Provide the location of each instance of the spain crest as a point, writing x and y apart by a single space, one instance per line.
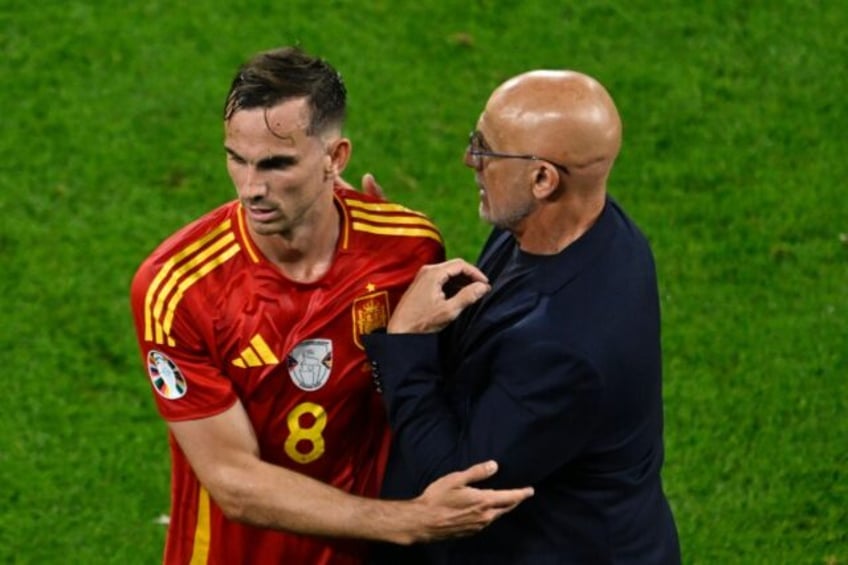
310 363
370 312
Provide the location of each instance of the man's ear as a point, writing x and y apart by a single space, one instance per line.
338 157
545 181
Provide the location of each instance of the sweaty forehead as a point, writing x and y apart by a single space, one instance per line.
288 118
284 123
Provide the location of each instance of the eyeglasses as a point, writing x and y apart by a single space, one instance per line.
476 152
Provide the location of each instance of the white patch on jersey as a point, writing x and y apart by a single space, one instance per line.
166 377
310 363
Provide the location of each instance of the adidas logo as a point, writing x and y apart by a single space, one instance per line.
256 354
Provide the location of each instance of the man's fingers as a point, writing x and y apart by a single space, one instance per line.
469 294
458 268
456 274
431 303
371 187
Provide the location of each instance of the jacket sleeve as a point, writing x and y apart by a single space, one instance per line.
532 414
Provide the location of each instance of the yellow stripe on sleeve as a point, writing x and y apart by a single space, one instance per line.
189 280
195 263
382 219
380 207
403 232
153 290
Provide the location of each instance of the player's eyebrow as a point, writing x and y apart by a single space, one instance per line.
233 154
270 162
276 162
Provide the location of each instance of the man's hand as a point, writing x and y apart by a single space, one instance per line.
369 186
437 296
449 507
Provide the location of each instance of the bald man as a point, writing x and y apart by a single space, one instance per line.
546 355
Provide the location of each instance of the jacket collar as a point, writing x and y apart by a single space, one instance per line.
555 271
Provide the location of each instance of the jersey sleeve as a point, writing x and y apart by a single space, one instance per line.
186 382
431 251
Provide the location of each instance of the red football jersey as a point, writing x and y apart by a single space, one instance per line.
217 322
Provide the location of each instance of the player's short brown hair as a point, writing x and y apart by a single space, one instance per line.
286 73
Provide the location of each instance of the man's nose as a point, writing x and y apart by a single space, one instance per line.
254 184
468 159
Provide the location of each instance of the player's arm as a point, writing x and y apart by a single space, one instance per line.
224 454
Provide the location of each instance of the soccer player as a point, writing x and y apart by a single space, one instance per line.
250 323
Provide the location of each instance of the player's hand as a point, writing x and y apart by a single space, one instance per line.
437 296
370 186
449 507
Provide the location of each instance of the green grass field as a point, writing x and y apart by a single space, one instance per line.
733 164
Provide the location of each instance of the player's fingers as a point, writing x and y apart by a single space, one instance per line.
473 474
489 515
507 499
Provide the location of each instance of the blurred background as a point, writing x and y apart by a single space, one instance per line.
733 164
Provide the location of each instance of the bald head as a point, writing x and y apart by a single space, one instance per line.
564 116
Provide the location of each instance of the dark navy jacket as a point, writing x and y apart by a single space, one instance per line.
556 375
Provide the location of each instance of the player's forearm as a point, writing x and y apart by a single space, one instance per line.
273 497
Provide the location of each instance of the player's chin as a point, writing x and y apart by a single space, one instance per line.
270 227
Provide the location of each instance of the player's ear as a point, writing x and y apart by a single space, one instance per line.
338 156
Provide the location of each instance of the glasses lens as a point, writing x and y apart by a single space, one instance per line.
472 149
